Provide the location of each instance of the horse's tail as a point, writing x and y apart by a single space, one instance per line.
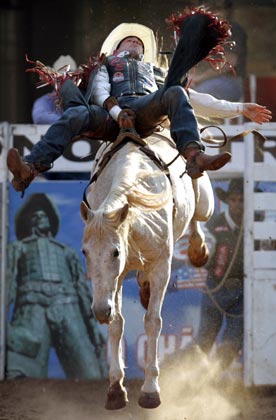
201 33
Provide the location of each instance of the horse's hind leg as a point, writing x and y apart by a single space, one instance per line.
197 250
144 288
117 394
204 207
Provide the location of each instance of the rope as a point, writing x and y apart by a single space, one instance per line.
210 292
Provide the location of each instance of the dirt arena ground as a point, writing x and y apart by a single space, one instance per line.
185 396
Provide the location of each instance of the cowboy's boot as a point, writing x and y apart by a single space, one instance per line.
198 161
23 172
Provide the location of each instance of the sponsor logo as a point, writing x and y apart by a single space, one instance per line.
118 77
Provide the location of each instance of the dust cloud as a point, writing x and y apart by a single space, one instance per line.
192 389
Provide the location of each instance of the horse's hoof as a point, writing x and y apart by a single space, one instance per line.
149 400
198 257
116 397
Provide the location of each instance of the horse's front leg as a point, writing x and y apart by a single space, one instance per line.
117 394
158 279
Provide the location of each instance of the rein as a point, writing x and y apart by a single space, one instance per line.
219 143
116 146
210 292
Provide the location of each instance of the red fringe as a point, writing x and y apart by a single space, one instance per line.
55 78
220 25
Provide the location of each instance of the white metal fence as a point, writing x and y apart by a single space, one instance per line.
260 264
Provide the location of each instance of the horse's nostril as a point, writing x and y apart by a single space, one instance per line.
103 313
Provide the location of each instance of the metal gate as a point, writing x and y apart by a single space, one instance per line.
260 262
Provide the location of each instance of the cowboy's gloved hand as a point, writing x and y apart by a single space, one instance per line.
126 118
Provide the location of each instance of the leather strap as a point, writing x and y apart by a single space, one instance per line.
221 143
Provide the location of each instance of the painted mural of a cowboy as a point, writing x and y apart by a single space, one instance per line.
52 302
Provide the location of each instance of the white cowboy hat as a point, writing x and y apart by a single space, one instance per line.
65 60
131 29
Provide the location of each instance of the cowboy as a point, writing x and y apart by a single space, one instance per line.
52 302
223 300
150 105
123 91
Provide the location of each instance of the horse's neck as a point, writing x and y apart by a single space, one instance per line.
120 176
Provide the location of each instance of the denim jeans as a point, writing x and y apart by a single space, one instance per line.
151 110
212 318
74 121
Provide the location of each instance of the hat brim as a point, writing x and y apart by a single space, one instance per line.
132 29
221 194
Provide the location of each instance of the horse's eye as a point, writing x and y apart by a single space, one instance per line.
116 253
83 251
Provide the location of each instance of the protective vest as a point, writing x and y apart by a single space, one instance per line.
226 241
130 76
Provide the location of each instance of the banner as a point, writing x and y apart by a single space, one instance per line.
41 299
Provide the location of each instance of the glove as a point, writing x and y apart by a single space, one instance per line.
126 118
110 102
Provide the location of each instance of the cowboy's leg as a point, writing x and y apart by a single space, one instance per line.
209 325
152 109
184 126
71 95
184 131
232 339
74 121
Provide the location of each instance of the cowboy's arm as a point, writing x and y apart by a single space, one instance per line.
101 90
101 93
206 105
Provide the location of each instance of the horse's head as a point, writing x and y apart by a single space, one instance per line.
104 247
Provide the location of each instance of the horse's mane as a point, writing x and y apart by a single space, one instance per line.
136 184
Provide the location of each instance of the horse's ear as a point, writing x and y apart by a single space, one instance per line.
118 215
85 212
